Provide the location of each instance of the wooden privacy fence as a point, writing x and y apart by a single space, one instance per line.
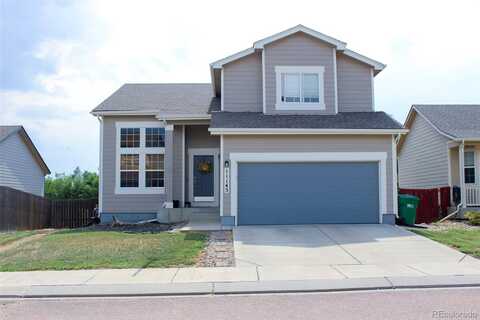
24 211
71 213
433 204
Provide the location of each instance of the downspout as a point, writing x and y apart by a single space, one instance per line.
100 169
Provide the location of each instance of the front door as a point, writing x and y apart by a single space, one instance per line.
204 177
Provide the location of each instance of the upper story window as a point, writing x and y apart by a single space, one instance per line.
299 88
130 137
154 137
140 158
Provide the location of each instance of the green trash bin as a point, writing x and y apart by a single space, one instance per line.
407 208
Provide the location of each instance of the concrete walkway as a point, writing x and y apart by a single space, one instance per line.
469 266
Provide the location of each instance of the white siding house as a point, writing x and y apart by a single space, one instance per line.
21 166
442 149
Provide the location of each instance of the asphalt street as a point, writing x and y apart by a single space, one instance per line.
461 303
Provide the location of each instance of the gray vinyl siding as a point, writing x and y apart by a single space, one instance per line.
354 85
197 137
242 84
177 162
423 158
299 50
128 203
18 168
295 143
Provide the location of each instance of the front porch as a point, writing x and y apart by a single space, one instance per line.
192 176
464 173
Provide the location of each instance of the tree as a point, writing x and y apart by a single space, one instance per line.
79 185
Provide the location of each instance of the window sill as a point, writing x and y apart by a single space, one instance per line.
300 106
119 190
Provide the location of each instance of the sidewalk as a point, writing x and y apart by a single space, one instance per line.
173 281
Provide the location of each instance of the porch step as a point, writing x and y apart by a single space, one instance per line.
205 217
206 210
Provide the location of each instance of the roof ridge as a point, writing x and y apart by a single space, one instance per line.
168 83
446 105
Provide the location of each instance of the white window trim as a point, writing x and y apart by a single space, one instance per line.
379 157
141 151
279 105
472 150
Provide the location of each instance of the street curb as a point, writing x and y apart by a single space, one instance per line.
241 287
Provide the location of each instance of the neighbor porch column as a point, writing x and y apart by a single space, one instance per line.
461 164
168 166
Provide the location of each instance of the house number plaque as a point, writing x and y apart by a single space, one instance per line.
226 177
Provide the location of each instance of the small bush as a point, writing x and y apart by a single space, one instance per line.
473 217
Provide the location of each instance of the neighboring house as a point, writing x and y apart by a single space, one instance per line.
442 149
286 133
21 165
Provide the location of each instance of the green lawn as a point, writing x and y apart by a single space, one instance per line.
75 249
467 241
7 237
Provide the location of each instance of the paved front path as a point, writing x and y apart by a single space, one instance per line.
385 304
346 246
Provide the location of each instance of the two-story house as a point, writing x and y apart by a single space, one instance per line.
285 133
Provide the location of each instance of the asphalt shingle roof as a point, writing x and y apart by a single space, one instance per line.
459 121
166 98
342 120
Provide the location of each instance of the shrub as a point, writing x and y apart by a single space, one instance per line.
473 217
79 185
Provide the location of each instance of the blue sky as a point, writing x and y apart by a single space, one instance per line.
59 59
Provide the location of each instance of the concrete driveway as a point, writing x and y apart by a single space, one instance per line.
314 245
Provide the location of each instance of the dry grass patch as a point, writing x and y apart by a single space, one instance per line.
84 249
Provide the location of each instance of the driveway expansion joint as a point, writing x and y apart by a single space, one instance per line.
339 271
338 244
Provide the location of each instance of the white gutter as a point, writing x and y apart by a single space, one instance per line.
125 113
467 140
184 117
246 131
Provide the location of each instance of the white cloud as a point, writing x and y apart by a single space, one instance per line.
430 47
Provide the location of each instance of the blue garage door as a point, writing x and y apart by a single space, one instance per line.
303 193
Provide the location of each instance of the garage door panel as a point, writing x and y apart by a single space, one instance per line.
302 193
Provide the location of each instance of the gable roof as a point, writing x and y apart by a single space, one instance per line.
192 99
456 122
340 46
343 121
7 131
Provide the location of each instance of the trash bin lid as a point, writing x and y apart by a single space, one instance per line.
408 197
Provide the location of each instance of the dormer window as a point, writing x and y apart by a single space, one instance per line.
299 88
